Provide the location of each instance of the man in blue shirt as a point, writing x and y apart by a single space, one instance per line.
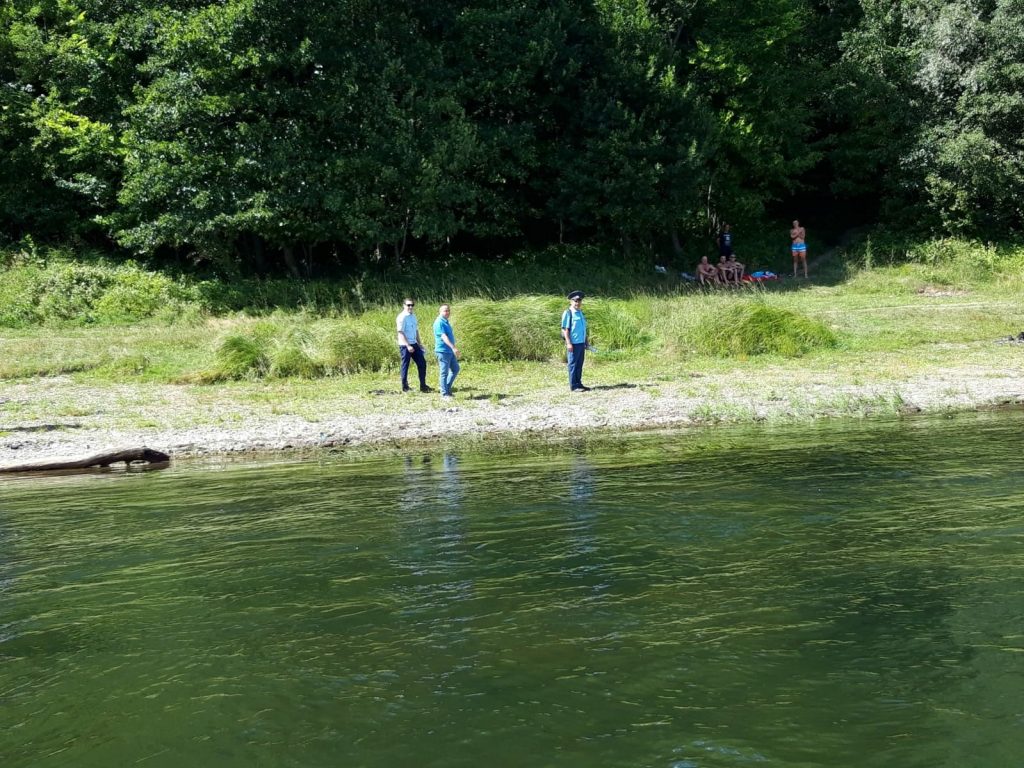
409 346
446 351
574 331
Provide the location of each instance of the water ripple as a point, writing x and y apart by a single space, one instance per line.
822 596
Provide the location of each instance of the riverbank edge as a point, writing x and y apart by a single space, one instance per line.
545 418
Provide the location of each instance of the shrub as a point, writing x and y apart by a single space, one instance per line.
136 294
72 293
754 328
948 251
19 291
67 293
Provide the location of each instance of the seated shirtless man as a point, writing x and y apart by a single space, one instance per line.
738 269
707 274
724 270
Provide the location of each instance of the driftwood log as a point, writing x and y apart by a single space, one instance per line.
144 455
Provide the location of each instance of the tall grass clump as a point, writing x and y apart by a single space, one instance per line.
244 353
294 352
754 328
616 325
267 349
525 328
366 343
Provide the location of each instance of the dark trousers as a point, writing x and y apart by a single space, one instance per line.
421 364
575 358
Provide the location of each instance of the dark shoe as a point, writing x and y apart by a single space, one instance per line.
425 389
578 389
407 389
584 389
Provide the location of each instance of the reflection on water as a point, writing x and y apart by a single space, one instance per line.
815 597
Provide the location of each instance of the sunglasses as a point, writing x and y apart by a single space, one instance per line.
410 305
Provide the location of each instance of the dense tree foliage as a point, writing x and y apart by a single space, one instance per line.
933 96
268 134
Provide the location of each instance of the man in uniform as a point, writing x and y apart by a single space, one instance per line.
574 331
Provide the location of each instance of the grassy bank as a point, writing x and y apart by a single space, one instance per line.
841 343
107 324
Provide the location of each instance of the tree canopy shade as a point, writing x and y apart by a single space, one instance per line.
254 134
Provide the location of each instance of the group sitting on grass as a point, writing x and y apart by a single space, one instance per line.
728 271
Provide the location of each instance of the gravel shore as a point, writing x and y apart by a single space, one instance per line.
60 419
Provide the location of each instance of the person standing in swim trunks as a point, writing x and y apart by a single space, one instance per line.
799 237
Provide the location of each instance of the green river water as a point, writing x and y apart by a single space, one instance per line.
833 595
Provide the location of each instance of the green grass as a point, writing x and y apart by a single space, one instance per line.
874 300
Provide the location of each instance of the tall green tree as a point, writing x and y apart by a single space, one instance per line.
40 147
933 101
972 150
756 66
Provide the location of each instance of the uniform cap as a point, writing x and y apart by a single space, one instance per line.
575 295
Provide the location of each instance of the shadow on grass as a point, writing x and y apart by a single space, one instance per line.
459 391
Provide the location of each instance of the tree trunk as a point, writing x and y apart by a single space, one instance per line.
677 247
289 260
405 231
307 260
144 455
712 218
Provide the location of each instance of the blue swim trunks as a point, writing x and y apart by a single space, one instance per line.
799 247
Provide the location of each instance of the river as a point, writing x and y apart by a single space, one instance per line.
841 594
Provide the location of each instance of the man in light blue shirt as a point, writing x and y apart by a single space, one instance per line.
446 351
574 331
409 346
